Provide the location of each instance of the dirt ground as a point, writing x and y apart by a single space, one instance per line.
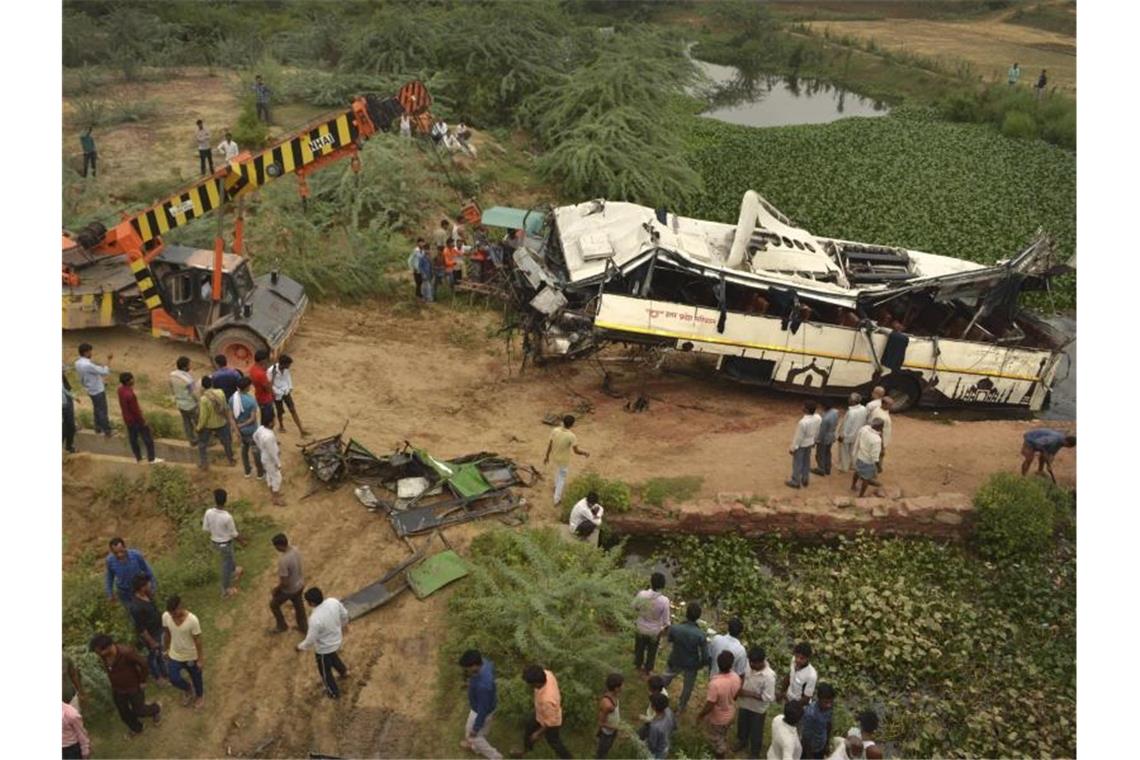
434 377
990 44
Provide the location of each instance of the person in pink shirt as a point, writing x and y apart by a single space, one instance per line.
720 707
547 719
76 743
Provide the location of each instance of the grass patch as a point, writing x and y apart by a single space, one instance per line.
1051 17
656 491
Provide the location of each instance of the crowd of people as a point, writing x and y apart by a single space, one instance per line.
221 406
168 647
742 687
455 254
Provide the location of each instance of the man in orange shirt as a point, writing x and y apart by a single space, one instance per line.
547 720
262 386
721 704
451 258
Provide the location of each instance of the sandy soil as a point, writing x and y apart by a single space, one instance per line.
991 45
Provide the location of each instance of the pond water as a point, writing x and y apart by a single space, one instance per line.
771 101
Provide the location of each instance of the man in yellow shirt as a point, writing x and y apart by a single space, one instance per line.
562 442
213 419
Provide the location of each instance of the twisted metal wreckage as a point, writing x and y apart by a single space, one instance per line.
782 307
425 495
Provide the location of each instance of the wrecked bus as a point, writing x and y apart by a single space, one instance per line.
781 307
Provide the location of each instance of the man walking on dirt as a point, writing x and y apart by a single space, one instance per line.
148 627
327 624
1044 444
91 378
213 421
265 441
290 586
219 523
134 420
90 155
849 427
807 431
202 137
185 392
482 700
182 643
562 442
123 566
127 673
1014 74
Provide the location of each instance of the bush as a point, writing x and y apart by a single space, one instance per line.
1015 516
534 597
250 132
1019 125
614 494
656 490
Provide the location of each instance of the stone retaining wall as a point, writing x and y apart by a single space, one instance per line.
941 515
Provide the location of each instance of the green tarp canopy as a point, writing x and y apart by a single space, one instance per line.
435 572
465 478
513 218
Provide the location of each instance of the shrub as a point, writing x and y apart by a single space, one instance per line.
163 425
250 132
510 610
1015 516
1019 125
614 494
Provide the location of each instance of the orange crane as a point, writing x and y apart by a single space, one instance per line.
127 275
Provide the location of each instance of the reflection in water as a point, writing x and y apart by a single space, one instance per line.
765 100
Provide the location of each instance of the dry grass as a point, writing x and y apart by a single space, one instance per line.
989 45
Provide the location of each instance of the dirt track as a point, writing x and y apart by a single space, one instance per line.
441 383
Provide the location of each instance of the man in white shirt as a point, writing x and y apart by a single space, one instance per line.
228 148
785 738
265 441
757 694
91 377
868 450
586 516
327 624
801 675
883 413
730 642
803 442
202 137
219 523
876 401
281 378
849 427
186 393
851 748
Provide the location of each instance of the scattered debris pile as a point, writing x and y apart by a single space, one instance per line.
423 574
423 493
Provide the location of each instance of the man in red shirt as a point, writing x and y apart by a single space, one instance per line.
451 257
262 387
133 419
721 704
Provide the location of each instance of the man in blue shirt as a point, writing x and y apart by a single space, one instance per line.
123 566
815 725
1044 444
245 409
482 698
689 653
225 377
